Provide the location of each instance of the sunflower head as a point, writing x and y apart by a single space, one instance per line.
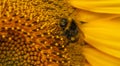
37 33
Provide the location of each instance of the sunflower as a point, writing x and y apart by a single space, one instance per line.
38 33
59 33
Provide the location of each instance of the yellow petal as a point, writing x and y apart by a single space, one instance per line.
108 50
101 6
103 35
97 58
105 30
88 16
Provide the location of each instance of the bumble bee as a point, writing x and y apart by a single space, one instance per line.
70 29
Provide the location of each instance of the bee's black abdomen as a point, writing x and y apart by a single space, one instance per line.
68 34
71 31
73 28
73 25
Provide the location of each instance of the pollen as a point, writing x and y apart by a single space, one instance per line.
30 34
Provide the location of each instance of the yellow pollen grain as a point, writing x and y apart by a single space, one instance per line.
63 46
72 38
56 44
3 36
62 61
42 35
12 28
13 18
48 55
58 53
6 28
37 29
51 47
53 37
22 30
10 38
31 37
57 36
61 39
26 24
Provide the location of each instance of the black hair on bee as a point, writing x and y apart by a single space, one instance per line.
63 23
70 29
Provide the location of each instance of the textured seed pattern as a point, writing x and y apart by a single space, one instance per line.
30 34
